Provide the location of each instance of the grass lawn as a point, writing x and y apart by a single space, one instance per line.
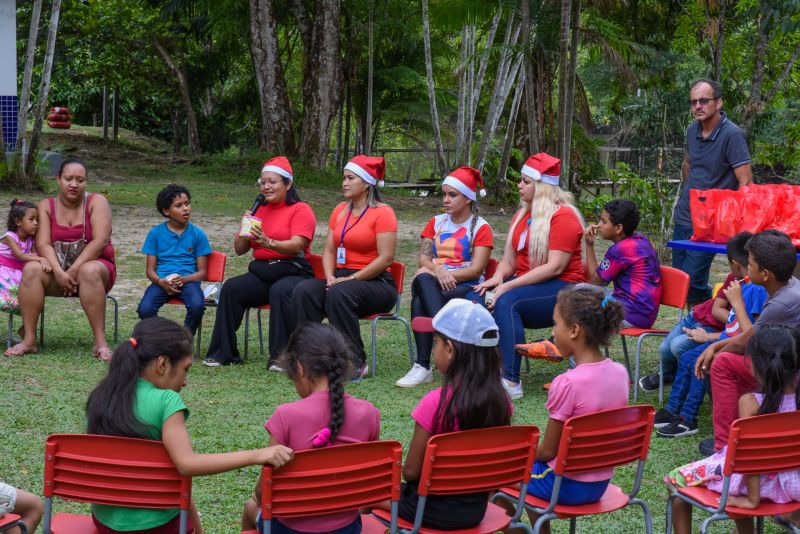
45 393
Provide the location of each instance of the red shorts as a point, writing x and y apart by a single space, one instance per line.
173 527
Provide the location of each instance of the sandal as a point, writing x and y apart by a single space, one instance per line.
20 349
104 354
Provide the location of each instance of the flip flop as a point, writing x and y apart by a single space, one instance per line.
104 354
20 349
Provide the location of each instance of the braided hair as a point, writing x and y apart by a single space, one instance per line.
599 315
323 352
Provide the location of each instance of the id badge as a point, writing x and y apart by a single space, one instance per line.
340 256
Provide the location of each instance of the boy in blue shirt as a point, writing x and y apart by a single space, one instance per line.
679 416
177 257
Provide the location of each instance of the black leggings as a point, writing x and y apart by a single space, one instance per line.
264 283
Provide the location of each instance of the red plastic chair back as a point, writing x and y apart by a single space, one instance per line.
764 444
478 460
316 266
215 271
674 287
333 479
398 270
136 473
603 440
491 268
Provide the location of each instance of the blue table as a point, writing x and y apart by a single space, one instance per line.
703 246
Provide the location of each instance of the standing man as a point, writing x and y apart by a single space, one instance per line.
716 158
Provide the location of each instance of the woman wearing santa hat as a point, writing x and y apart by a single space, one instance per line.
544 253
453 254
359 249
281 247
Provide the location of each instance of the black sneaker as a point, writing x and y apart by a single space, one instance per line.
678 429
706 447
649 383
664 418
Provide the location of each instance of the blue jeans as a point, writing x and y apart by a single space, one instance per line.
676 343
694 263
191 294
520 308
687 390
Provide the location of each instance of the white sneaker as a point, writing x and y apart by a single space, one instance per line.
515 392
416 376
276 368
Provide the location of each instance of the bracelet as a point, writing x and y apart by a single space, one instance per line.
271 243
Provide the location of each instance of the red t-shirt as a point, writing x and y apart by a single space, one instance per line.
281 222
702 312
566 233
361 236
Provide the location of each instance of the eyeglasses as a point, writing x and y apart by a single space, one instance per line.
261 183
702 101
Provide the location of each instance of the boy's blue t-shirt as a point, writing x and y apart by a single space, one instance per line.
176 253
754 297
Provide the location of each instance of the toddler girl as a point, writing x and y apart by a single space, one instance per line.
319 361
139 398
773 355
16 249
465 338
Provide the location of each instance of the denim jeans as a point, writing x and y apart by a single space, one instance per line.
191 294
520 308
676 343
687 390
694 263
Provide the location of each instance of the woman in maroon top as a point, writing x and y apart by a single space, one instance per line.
281 249
73 215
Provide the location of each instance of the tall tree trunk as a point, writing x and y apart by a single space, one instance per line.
44 91
570 97
105 113
347 111
25 95
339 126
477 84
115 135
276 136
563 76
322 81
720 40
437 135
502 171
371 53
174 119
461 114
469 118
754 103
530 95
186 98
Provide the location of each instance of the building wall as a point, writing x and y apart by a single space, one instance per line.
8 70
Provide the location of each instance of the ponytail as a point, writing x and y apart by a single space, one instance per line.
773 352
599 315
109 409
17 212
323 352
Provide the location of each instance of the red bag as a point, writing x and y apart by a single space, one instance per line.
59 117
59 110
702 207
758 205
59 124
727 214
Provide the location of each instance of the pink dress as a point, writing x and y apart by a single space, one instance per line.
11 272
74 233
779 488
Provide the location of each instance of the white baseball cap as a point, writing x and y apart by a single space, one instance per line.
461 320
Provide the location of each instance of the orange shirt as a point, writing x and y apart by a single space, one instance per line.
566 233
361 234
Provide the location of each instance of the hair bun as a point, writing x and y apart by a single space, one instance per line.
14 202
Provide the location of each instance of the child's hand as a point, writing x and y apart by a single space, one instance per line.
590 233
698 335
165 284
177 282
734 293
276 456
46 267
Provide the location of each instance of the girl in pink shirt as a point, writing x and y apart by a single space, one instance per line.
584 319
319 361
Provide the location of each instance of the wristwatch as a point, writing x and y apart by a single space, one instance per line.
271 243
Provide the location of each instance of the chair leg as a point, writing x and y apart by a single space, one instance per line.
116 318
199 337
573 525
246 330
260 332
636 367
627 358
537 526
648 517
760 524
668 515
41 330
374 345
408 339
660 381
10 328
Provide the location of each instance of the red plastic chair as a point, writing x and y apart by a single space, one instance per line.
215 272
111 470
331 480
756 445
41 323
398 270
319 274
674 292
9 521
600 440
474 461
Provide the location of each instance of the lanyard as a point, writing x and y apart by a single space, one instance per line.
345 229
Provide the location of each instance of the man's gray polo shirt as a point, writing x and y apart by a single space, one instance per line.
711 162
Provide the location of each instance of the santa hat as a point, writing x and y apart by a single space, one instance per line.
279 165
543 167
466 181
368 168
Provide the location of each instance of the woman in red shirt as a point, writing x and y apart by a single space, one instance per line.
543 254
281 249
359 249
